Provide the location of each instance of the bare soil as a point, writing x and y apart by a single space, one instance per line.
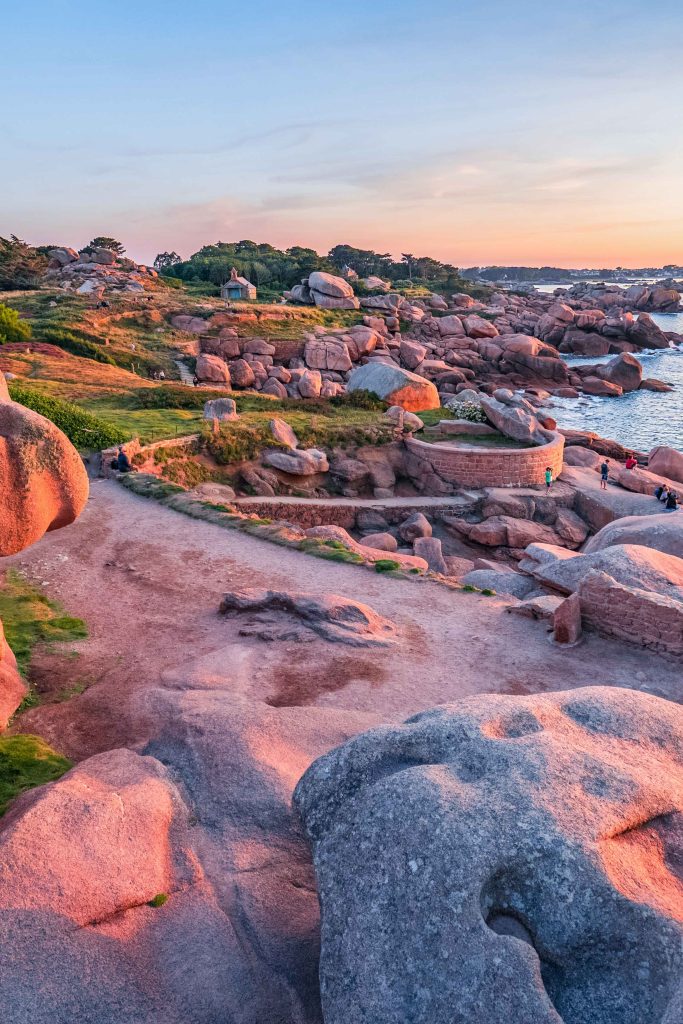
148 582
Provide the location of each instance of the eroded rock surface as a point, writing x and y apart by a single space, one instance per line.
504 859
335 618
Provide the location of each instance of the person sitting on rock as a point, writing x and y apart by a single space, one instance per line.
123 462
671 502
631 462
664 494
548 477
659 490
604 474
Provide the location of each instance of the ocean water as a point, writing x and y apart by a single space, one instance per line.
641 419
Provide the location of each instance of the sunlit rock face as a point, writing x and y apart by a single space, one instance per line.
43 483
504 859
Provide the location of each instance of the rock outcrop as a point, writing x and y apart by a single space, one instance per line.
663 532
396 386
12 687
668 462
337 619
460 873
43 483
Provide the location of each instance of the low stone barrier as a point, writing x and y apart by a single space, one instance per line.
329 513
628 613
491 467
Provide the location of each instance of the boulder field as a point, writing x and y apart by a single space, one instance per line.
454 343
503 856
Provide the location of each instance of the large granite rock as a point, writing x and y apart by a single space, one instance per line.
503 859
213 369
12 686
395 385
302 462
630 564
513 421
663 532
43 483
668 462
645 333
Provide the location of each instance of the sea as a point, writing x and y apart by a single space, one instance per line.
640 419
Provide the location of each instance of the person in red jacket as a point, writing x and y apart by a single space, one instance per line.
631 461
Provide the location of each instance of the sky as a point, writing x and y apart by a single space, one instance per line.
526 132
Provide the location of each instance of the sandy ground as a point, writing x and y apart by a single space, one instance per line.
148 582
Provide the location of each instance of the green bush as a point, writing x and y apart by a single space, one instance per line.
359 400
386 565
85 431
12 327
25 762
76 346
238 442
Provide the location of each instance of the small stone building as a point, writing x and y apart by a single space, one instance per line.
238 289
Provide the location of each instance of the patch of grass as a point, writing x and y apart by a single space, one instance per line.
469 588
386 565
30 619
488 592
85 431
25 762
158 900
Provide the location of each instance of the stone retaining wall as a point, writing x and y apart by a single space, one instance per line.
627 613
308 514
491 467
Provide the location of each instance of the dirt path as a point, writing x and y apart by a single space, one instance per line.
148 582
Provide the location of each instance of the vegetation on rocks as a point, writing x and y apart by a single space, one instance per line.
85 431
21 265
12 327
25 762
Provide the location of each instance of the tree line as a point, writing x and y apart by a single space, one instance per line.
277 269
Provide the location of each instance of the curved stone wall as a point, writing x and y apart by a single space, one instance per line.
491 467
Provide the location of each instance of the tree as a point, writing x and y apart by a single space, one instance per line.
104 242
12 327
164 260
21 266
409 260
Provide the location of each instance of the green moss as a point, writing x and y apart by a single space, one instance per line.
386 565
158 900
27 761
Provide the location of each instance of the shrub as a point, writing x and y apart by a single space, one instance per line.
386 565
238 442
359 400
467 411
85 431
76 346
27 761
12 327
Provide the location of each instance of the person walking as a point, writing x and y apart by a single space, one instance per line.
604 474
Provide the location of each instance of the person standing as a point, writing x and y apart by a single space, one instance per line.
604 474
548 478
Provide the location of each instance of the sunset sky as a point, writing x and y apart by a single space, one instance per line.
475 132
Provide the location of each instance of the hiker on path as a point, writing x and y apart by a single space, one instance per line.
604 474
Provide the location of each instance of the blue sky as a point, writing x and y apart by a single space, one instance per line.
522 132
